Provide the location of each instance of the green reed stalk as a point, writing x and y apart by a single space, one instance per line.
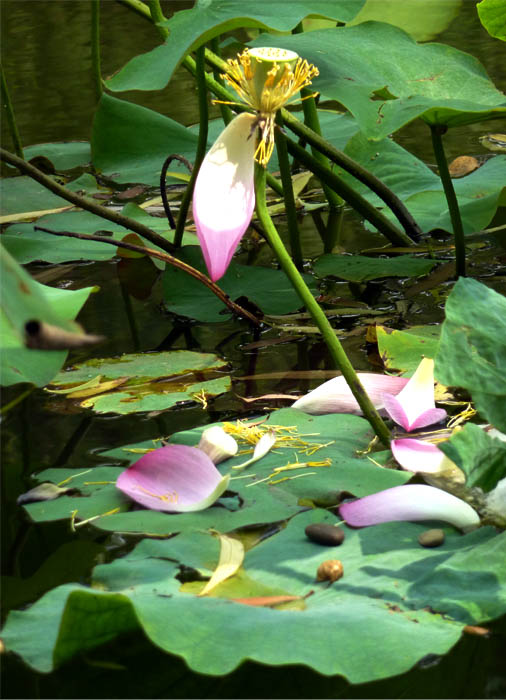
95 48
201 145
11 119
334 346
451 198
226 113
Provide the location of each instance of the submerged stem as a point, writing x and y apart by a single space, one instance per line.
201 146
451 198
334 346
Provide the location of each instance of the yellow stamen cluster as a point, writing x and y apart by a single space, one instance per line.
266 79
286 436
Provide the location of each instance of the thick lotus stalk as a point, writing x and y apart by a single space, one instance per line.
217 444
410 502
414 406
335 395
175 478
224 194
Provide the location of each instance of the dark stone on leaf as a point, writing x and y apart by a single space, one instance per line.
325 534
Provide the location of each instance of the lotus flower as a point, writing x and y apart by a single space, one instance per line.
335 395
175 478
414 406
224 194
410 502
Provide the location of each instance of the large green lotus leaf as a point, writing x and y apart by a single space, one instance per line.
414 183
360 268
472 350
404 350
492 14
421 19
210 18
478 194
23 300
267 288
64 155
249 500
153 381
27 245
481 456
433 81
23 194
396 603
130 143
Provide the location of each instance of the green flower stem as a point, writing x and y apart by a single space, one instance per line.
201 146
11 119
312 120
355 200
290 209
86 203
334 346
157 16
137 6
226 113
451 198
95 48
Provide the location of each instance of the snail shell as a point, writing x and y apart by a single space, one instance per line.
329 570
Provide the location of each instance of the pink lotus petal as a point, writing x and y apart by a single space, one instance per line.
410 502
419 456
335 395
175 478
414 406
224 194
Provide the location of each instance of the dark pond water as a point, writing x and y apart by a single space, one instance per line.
45 54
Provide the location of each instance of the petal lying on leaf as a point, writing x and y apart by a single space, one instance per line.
410 502
175 478
335 395
217 444
224 194
420 456
414 406
263 446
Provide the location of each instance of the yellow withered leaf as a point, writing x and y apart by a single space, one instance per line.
231 558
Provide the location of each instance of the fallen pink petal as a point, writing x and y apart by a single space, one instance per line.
414 406
175 478
335 395
224 195
420 456
410 502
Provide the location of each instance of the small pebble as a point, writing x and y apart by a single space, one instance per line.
330 570
326 534
431 538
